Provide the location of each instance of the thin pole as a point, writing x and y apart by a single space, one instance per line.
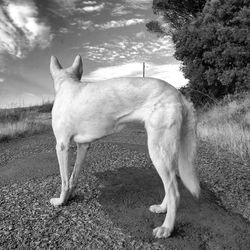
143 74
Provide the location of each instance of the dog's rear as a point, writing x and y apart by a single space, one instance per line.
188 149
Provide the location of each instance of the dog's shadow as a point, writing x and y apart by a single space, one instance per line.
127 193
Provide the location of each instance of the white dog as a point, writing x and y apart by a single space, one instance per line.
85 112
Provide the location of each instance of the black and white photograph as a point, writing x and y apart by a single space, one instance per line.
125 124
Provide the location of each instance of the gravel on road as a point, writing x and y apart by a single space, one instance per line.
110 208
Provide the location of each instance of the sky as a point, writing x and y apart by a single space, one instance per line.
110 35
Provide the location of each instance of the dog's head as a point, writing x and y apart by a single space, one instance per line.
58 73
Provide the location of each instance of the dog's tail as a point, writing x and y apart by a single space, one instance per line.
188 149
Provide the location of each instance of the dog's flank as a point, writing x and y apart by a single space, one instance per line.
85 112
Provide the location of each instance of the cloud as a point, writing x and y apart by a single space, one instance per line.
64 30
124 49
90 2
66 8
67 4
93 8
84 25
119 23
128 7
138 4
90 25
1 79
21 30
140 34
61 8
87 25
114 71
120 9
168 72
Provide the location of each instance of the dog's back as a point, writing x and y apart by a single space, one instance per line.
99 108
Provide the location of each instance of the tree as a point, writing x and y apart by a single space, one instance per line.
174 14
214 47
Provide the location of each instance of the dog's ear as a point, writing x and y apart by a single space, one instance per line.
55 66
77 67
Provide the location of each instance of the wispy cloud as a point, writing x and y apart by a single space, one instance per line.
128 7
124 49
120 10
138 4
66 4
86 25
114 71
119 23
64 30
90 2
140 34
90 25
73 7
168 72
92 8
21 30
83 25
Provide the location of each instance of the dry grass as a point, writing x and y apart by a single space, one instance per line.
18 122
227 125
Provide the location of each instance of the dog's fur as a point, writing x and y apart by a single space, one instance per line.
85 112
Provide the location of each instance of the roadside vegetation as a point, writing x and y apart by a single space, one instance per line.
227 125
19 122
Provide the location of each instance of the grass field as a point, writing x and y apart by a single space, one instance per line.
227 125
16 122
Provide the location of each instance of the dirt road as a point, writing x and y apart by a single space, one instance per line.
110 210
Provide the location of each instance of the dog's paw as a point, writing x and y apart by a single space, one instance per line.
157 209
161 232
56 202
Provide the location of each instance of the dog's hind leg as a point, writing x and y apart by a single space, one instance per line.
81 152
62 148
163 140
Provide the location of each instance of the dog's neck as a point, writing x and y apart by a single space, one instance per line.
60 79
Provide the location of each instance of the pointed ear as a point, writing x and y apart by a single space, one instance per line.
77 67
55 66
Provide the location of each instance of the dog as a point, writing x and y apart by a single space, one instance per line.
84 112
